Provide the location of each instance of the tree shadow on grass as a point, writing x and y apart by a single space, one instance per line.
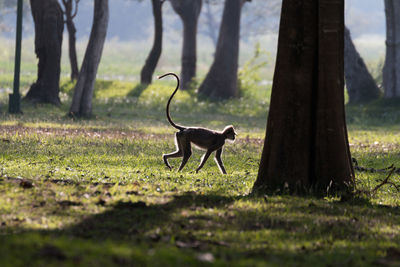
138 90
284 230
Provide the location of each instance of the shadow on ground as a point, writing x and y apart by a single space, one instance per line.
138 90
195 229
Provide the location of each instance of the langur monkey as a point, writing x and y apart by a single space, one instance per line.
203 138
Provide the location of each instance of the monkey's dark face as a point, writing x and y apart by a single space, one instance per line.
230 133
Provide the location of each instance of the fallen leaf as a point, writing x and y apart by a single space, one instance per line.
131 205
206 257
67 203
26 184
101 202
136 193
190 244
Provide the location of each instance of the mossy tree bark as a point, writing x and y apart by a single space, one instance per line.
306 146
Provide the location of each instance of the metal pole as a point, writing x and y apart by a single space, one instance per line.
15 98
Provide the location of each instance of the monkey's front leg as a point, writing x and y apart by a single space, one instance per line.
204 159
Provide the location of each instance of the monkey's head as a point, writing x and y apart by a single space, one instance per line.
229 132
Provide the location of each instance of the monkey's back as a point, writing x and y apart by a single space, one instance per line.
202 137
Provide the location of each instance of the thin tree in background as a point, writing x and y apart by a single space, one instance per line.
212 30
49 25
83 93
221 80
306 146
391 69
361 87
188 11
151 62
70 12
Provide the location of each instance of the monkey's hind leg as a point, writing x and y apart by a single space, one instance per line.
219 160
178 153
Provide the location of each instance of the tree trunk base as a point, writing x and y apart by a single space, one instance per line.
35 96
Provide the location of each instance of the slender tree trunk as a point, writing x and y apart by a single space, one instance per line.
83 93
189 11
391 70
72 50
71 40
212 30
221 80
306 145
361 87
155 53
49 26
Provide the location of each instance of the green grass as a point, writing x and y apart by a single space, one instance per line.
122 60
101 195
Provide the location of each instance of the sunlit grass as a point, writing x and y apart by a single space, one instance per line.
101 194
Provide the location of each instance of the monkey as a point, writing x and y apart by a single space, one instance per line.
203 138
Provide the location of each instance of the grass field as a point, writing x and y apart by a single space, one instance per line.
95 192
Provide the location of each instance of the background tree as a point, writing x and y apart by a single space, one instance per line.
70 11
83 93
188 11
259 18
10 7
151 62
361 87
221 80
210 21
306 144
391 69
49 26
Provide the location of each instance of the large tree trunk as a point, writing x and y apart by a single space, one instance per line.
189 11
391 70
306 145
49 26
83 93
155 53
70 14
221 80
361 87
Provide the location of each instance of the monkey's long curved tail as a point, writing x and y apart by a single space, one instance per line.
177 126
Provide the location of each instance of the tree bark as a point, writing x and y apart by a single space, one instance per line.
361 87
306 146
49 26
189 11
391 69
69 15
221 80
151 62
83 93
